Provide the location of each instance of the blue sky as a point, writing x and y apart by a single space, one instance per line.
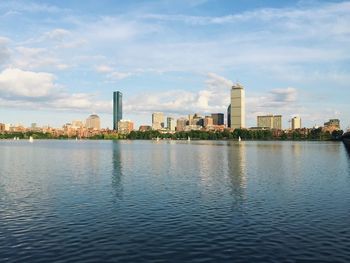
62 60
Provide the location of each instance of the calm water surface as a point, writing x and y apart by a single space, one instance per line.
89 201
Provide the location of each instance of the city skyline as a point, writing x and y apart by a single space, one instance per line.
66 59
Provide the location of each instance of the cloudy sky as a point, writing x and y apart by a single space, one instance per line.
61 60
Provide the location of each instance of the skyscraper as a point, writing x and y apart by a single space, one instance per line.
157 120
296 123
117 109
237 107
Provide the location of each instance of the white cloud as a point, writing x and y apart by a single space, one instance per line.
213 98
120 75
38 90
18 83
37 58
58 34
103 69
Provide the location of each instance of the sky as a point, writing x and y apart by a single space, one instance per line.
61 60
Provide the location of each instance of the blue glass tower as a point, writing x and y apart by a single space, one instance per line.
117 109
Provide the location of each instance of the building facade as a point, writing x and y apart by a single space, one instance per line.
125 126
93 122
237 107
296 123
157 120
181 124
171 124
218 118
270 122
117 109
208 121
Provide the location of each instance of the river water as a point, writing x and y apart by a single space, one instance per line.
174 201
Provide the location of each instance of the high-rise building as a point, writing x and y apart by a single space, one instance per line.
229 116
296 123
125 126
218 118
181 124
270 121
237 107
117 108
171 123
157 120
93 122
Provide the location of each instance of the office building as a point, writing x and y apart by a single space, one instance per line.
197 120
93 122
125 126
157 121
296 123
181 124
117 108
270 122
218 118
171 124
237 107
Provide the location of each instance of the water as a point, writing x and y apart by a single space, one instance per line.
105 201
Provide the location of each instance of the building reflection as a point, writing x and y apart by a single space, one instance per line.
117 169
236 161
347 149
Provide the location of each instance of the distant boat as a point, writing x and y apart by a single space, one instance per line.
188 139
31 139
158 139
14 138
76 138
239 138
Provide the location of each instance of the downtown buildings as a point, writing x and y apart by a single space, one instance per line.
117 109
270 122
237 107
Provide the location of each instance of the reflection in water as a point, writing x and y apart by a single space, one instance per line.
347 148
117 174
236 161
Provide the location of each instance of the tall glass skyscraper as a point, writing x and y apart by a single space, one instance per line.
117 109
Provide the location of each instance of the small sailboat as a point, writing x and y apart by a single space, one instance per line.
239 138
31 139
76 138
157 139
14 138
188 139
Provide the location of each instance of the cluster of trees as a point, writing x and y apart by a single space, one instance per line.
314 134
26 135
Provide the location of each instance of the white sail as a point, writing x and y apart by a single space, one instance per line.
239 138
31 139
